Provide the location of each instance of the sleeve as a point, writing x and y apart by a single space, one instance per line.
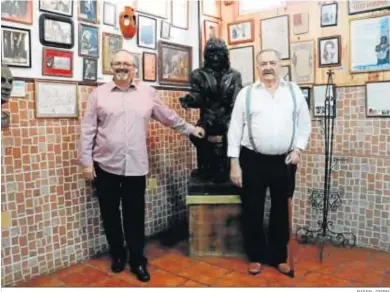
303 121
236 126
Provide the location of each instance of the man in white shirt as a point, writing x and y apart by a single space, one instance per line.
265 150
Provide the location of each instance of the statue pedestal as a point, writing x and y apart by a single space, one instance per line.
214 226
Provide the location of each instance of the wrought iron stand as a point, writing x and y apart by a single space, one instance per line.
326 199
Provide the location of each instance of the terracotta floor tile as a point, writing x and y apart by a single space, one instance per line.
173 262
325 280
44 281
191 283
204 273
386 280
103 264
236 279
83 277
161 278
111 282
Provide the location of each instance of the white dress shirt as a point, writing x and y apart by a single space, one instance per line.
272 120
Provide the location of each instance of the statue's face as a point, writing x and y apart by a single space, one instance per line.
216 58
6 82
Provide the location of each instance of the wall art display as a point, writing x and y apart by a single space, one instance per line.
301 23
211 8
147 32
180 13
90 69
149 66
89 10
157 8
63 7
109 14
17 11
378 103
329 51
369 44
241 32
359 6
56 31
285 73
211 29
165 30
19 88
242 59
320 92
15 47
302 62
275 34
175 63
306 94
137 65
329 14
56 99
88 40
111 43
57 62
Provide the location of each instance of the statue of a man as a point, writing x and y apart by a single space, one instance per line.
214 88
6 89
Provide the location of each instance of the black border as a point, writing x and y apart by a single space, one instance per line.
338 37
58 13
155 32
96 69
58 18
29 45
98 37
337 14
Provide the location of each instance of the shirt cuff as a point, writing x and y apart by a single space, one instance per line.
189 129
86 162
233 152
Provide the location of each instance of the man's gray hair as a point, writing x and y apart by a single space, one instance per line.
120 50
277 53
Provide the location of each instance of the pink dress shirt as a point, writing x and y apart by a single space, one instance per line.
115 126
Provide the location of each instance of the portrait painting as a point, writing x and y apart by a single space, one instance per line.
175 63
90 69
329 53
329 14
146 36
15 47
88 11
61 7
88 40
17 11
111 43
241 32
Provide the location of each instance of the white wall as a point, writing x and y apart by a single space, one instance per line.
185 37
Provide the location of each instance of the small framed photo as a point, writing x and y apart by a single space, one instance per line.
137 65
56 31
17 11
329 14
165 30
61 7
329 51
306 93
149 67
90 69
301 23
241 32
285 72
147 29
321 92
88 40
109 13
57 62
16 53
211 29
378 103
111 43
89 11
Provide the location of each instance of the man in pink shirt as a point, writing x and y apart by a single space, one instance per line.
113 151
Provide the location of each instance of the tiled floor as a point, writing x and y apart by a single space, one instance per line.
171 267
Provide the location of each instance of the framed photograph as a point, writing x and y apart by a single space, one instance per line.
174 63
149 67
165 30
320 93
329 51
275 34
306 93
285 73
180 13
109 14
242 59
211 29
88 40
378 103
329 14
57 62
241 32
137 65
359 6
147 32
111 43
301 23
302 62
158 8
89 11
211 8
369 44
56 99
56 31
17 11
16 47
62 7
90 69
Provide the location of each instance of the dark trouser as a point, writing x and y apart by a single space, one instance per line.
111 190
258 173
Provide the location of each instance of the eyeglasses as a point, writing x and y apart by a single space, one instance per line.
125 64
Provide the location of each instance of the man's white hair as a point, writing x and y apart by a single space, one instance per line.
277 53
121 50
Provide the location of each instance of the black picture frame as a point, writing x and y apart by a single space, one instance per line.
335 4
154 46
3 51
368 10
320 53
307 94
58 18
94 60
54 11
94 30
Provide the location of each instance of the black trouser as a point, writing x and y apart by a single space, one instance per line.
111 190
258 173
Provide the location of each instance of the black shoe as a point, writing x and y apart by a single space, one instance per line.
118 265
141 272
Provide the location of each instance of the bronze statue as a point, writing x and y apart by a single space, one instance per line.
214 88
6 88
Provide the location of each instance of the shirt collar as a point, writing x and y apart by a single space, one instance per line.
282 82
133 85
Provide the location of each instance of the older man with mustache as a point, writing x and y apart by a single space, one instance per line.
270 127
113 152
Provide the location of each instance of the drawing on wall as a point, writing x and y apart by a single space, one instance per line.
88 40
62 7
329 51
242 59
88 11
15 47
275 34
90 69
302 62
146 36
329 14
111 43
17 11
241 32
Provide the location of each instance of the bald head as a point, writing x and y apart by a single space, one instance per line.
122 65
121 56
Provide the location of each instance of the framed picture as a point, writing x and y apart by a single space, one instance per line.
89 11
109 13
64 7
285 73
301 23
56 99
275 34
241 32
180 13
211 29
157 8
359 6
320 93
378 103
16 53
242 59
17 11
306 93
56 31
90 69
57 62
302 62
147 30
88 40
149 67
329 14
369 44
175 63
329 51
211 8
111 43
137 65
165 30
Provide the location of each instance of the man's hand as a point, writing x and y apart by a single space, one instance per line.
236 173
199 132
295 157
89 173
